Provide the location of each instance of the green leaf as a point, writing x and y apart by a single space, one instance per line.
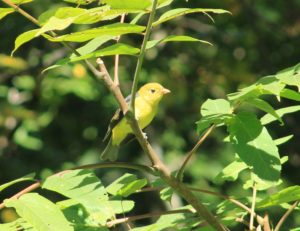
207 121
76 184
231 171
270 85
92 45
126 185
281 112
132 187
283 140
83 16
252 91
177 221
289 76
115 29
24 38
29 177
81 2
166 194
174 38
255 146
55 24
19 224
23 137
119 48
286 195
290 94
213 112
215 107
264 106
171 14
121 206
128 4
19 2
41 213
5 11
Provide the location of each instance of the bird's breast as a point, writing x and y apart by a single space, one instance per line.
144 112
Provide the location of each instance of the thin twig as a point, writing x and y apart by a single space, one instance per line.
234 201
24 191
179 175
145 216
112 87
141 56
116 70
266 223
252 214
139 167
285 215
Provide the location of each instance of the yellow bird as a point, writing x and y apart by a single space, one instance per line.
119 130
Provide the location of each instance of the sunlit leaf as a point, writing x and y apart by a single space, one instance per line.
283 140
68 184
174 38
109 30
264 106
215 107
128 4
119 48
5 11
288 194
281 112
255 146
290 94
24 178
40 212
231 171
126 185
24 38
92 45
171 14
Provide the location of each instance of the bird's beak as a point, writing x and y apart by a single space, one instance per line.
165 91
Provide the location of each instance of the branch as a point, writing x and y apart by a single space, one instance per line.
179 175
139 167
24 191
114 89
284 217
251 227
145 216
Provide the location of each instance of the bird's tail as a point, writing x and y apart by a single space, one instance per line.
110 152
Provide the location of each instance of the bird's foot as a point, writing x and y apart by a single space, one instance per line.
145 135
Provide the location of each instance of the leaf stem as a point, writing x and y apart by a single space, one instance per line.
22 192
145 216
285 215
179 175
252 214
117 57
141 56
139 167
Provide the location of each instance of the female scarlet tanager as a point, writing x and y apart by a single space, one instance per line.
119 131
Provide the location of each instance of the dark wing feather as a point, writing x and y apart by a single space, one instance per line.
118 116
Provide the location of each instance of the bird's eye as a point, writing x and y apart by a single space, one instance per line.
152 90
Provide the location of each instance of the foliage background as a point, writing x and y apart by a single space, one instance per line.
57 120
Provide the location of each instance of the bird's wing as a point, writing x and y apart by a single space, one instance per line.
118 116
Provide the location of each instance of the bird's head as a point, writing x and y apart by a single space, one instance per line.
153 92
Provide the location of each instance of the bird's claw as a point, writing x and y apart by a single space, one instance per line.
145 135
